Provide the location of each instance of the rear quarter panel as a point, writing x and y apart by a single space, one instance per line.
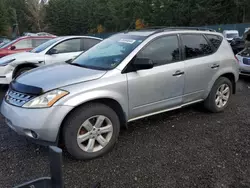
228 64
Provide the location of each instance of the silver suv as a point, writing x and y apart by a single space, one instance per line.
129 76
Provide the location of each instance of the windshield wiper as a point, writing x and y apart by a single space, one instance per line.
87 66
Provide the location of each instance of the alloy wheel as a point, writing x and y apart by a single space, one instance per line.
222 95
95 133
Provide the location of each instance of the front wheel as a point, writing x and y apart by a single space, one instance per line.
219 96
91 131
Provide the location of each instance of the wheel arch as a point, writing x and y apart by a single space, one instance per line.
23 65
230 75
232 78
112 103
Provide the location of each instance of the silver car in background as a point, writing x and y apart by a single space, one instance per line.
126 77
55 50
244 61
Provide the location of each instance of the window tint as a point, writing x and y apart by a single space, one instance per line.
72 45
215 40
162 51
38 42
88 43
22 44
196 46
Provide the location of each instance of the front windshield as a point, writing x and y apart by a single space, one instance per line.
232 35
45 45
109 53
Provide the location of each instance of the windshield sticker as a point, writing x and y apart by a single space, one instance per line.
128 41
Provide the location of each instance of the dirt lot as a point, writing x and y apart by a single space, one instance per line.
184 148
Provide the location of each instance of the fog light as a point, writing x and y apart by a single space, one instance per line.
34 135
31 133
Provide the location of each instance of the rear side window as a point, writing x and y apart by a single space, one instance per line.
195 46
38 42
88 43
215 40
23 44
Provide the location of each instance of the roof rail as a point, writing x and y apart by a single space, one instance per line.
163 28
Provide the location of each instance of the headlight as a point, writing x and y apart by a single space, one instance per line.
6 62
46 100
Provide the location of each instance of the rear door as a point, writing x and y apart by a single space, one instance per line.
64 51
200 65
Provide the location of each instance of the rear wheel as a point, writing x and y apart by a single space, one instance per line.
219 96
22 70
91 131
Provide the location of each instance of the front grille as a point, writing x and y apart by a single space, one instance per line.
17 98
246 61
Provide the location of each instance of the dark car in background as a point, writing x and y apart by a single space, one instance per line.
237 44
22 44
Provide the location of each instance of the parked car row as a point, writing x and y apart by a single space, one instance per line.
84 102
22 44
57 50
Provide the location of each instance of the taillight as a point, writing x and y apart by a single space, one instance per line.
237 59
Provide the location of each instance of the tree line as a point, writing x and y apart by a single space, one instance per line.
66 17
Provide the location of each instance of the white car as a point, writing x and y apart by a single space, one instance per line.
230 34
56 50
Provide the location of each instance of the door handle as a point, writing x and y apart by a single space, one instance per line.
215 66
178 73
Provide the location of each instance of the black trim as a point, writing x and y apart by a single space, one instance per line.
2 76
22 88
183 48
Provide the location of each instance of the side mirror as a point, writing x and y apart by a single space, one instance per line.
52 51
12 47
143 63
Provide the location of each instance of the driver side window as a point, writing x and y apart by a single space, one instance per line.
161 51
72 45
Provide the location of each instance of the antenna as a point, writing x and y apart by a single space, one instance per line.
127 30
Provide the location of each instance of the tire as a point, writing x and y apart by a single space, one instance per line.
211 103
22 70
79 117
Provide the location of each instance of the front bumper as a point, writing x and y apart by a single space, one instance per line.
45 123
6 73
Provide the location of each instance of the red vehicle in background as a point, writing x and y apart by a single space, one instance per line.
22 44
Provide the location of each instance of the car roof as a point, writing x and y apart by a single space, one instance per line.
39 37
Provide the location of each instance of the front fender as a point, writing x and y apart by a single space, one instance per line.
79 99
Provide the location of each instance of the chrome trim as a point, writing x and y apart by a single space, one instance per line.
166 110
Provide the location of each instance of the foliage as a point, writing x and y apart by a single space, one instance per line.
3 21
66 17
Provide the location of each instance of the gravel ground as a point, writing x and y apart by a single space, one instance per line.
183 148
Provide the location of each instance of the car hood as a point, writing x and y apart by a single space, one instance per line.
58 75
23 56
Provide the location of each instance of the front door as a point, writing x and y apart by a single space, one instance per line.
64 51
160 88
